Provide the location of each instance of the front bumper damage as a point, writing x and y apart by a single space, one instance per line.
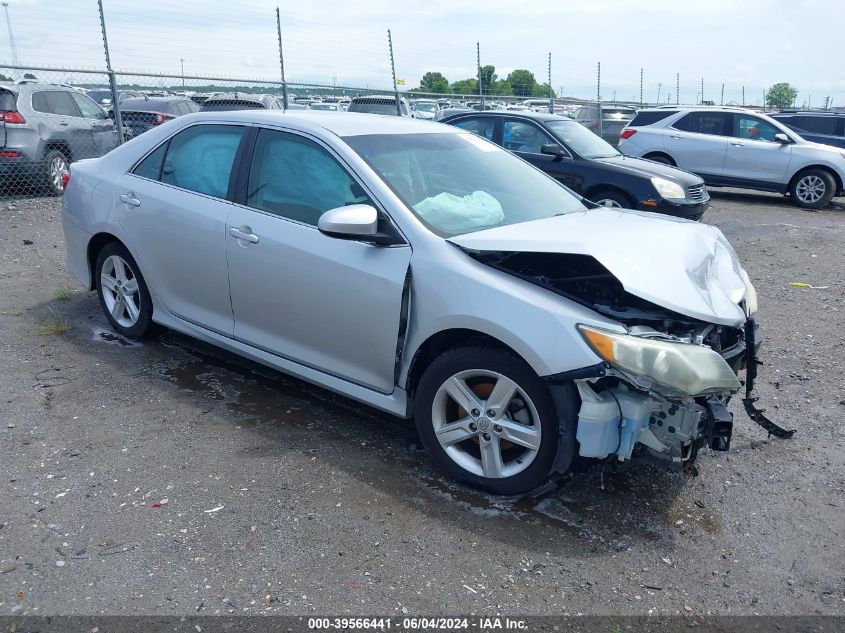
619 418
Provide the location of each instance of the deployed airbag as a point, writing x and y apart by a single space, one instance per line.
457 214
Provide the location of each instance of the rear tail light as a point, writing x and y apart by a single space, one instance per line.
9 153
162 118
627 133
65 179
10 116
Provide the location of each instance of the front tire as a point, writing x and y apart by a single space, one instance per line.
812 189
611 199
122 291
489 421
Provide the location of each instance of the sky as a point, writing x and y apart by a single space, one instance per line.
750 43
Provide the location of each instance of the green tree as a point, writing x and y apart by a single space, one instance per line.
30 76
502 87
5 78
542 90
488 78
465 87
434 82
522 82
781 95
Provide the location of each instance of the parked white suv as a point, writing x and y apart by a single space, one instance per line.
734 147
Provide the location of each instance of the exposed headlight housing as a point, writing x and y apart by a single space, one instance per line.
668 189
675 368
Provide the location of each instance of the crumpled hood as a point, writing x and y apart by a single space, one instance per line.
684 266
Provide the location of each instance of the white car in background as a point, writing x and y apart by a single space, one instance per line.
734 147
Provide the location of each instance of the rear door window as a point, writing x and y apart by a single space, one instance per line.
7 101
703 123
54 102
199 159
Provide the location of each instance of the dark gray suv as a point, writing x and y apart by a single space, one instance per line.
43 128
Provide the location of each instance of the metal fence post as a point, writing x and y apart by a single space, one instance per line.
282 61
118 120
677 88
393 72
551 98
598 99
478 64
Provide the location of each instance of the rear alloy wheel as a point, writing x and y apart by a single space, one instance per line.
55 164
122 291
611 199
488 420
813 189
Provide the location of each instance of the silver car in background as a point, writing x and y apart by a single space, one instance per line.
429 273
609 125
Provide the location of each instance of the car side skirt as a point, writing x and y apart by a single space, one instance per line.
395 403
744 183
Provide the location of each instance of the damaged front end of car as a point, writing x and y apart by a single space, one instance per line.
661 390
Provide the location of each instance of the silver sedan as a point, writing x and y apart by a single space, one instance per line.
427 272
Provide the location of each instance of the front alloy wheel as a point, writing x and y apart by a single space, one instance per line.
486 424
813 189
489 421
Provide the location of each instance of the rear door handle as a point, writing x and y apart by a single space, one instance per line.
63 123
244 233
675 136
130 199
737 144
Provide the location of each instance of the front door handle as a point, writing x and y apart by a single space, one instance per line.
63 123
674 136
244 233
737 144
130 199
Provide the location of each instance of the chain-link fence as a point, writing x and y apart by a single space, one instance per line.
66 57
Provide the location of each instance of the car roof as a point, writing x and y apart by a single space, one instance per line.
524 114
337 123
807 113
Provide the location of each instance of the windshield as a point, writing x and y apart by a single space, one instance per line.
581 140
426 107
460 183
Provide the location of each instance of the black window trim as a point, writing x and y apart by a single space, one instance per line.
248 127
244 167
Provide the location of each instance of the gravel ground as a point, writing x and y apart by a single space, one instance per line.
170 478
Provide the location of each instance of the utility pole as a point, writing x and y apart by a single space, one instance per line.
182 61
677 88
393 72
478 64
118 120
551 98
659 86
641 86
282 61
15 61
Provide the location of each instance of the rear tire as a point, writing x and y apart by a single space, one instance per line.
661 158
122 291
812 189
55 163
500 432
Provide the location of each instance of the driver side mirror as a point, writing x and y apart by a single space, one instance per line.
355 222
782 138
553 149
